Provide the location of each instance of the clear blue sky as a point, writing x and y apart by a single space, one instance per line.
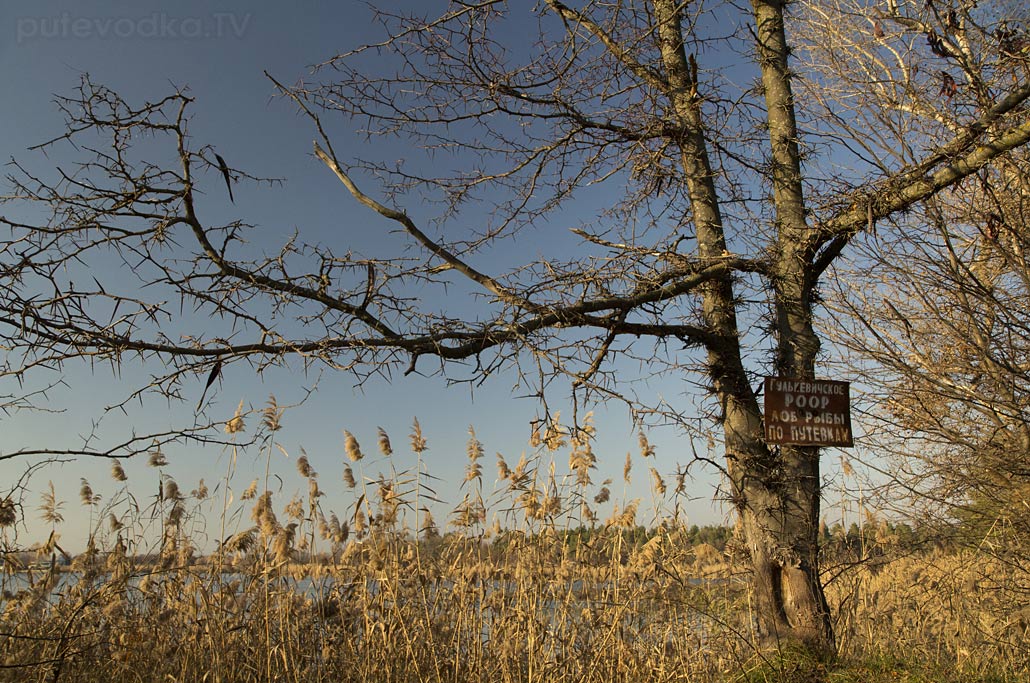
219 50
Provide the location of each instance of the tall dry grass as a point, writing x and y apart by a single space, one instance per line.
961 611
506 588
378 592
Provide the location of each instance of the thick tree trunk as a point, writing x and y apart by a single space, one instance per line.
777 496
780 527
776 492
780 514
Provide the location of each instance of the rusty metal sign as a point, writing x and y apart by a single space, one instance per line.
805 412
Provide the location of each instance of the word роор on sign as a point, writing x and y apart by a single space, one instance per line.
801 412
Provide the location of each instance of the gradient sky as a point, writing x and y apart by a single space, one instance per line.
142 49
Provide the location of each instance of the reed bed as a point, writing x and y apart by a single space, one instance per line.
961 611
524 584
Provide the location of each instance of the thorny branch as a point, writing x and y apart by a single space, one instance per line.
606 97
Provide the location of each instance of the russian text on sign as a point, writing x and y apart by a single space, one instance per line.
803 412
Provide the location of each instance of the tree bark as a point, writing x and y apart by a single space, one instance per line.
781 519
776 493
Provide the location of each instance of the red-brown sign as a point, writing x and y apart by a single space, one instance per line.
806 412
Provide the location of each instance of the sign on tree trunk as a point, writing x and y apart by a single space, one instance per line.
803 412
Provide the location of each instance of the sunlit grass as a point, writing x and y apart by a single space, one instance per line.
546 579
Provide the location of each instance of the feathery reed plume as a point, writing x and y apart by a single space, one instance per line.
428 528
473 447
242 541
339 531
587 430
169 548
8 513
551 504
474 451
384 443
251 491
117 560
529 500
659 483
582 458
502 468
172 490
304 467
200 493
282 547
360 523
646 449
264 516
602 496
86 492
581 461
418 442
184 556
351 446
348 477
534 435
554 435
118 472
157 458
470 513
271 416
521 475
324 532
235 424
176 514
582 434
681 482
627 519
50 508
389 502
294 509
341 534
649 556
627 468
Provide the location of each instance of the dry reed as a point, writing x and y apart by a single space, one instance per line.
522 588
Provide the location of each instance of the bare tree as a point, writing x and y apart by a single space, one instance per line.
938 332
933 307
706 262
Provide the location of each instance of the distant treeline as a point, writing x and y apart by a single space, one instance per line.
716 536
874 538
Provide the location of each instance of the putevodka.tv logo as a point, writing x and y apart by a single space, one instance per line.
154 26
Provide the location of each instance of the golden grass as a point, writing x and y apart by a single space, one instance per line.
386 610
296 593
964 610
